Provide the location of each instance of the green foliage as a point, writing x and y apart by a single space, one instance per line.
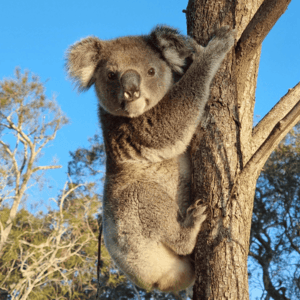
23 99
28 121
87 161
52 250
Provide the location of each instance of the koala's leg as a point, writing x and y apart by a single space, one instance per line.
161 219
183 238
149 240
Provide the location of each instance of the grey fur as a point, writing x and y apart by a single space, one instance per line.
148 113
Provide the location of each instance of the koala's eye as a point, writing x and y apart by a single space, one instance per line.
151 72
112 75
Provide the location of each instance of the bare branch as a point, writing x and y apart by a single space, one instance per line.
18 130
9 127
48 139
1 234
4 125
6 147
45 168
43 245
283 106
258 160
15 164
17 144
247 61
272 291
295 247
25 157
260 25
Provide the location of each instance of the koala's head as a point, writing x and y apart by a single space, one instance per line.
131 74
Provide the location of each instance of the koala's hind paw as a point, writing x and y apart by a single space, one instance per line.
195 214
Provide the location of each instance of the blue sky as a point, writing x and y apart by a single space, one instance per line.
34 35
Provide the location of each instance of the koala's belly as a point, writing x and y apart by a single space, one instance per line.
173 175
121 200
136 251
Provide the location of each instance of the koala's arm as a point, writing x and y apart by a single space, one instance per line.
166 130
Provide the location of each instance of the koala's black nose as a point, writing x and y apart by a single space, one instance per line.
131 81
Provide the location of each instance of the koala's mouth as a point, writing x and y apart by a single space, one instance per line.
125 104
134 108
128 105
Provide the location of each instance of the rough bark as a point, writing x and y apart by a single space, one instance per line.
227 155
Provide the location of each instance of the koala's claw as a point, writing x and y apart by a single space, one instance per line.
195 214
197 206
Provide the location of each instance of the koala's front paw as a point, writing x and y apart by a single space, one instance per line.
195 215
222 40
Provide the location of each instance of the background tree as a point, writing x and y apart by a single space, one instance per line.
39 255
86 162
28 121
52 256
275 231
227 153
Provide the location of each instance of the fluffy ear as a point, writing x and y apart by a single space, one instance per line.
174 47
81 61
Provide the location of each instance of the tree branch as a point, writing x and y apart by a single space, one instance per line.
15 165
260 25
247 61
272 291
48 139
283 106
22 134
45 168
25 157
296 248
259 158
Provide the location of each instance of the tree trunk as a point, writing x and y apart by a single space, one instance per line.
227 153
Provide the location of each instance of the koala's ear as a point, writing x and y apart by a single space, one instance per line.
81 61
174 47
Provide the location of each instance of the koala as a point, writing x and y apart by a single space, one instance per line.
152 91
